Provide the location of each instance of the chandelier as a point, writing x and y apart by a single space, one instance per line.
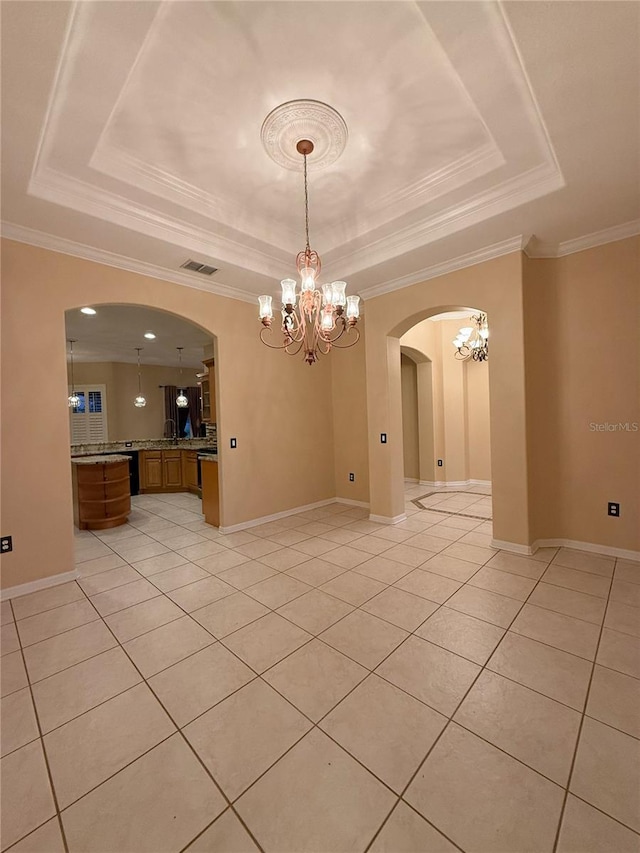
181 400
473 341
73 399
140 401
320 319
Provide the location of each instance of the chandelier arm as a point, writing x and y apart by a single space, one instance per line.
274 346
352 343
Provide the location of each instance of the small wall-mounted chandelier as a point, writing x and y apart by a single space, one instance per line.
473 341
181 400
140 402
321 318
73 399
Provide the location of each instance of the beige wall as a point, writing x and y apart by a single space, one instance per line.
267 400
478 420
583 367
125 422
410 429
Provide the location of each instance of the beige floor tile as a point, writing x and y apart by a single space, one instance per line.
450 567
627 593
619 651
325 801
581 560
158 803
621 617
164 646
285 558
287 538
431 674
315 572
485 605
607 772
473 538
231 540
91 748
381 569
6 613
315 611
384 728
99 564
315 678
579 581
563 632
394 534
153 565
217 563
433 587
614 699
144 617
430 541
46 599
484 800
9 641
407 832
374 545
412 557
548 670
353 588
114 600
586 830
179 577
64 650
536 730
229 614
266 641
526 567
278 590
199 594
504 583
67 694
568 601
627 570
46 839
199 682
13 675
244 735
136 554
347 557
226 835
400 608
473 553
364 638
111 579
246 574
465 635
257 549
19 725
33 629
343 537
202 549
27 800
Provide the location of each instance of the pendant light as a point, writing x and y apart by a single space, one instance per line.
140 401
181 400
73 399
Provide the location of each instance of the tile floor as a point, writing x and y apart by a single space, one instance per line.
322 683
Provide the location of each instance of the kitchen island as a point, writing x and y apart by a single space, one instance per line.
101 492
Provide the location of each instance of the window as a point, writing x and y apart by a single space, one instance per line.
89 418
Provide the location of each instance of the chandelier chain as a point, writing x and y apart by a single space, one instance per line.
306 202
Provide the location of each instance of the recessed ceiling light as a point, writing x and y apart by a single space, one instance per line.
88 311
149 336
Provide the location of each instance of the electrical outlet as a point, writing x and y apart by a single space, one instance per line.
128 444
383 438
439 463
352 477
613 509
6 544
233 443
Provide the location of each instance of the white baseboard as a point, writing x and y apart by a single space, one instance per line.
513 547
265 519
411 480
452 484
385 519
605 550
35 586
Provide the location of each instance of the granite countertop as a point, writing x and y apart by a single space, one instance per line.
146 444
100 460
208 457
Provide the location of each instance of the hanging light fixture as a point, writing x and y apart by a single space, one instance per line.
473 341
140 401
181 400
321 318
73 399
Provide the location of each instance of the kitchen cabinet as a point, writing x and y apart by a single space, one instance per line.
161 471
210 491
190 470
150 467
101 493
208 392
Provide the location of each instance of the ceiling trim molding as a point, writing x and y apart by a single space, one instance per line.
30 236
496 250
589 241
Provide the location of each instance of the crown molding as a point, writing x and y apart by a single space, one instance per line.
589 241
20 234
496 250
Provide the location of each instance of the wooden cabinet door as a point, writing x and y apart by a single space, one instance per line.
151 470
190 470
172 470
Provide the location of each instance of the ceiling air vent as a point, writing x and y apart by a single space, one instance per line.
196 266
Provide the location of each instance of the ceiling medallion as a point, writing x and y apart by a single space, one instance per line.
289 123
